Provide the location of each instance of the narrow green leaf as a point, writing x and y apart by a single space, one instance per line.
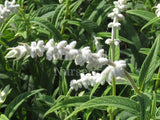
57 13
143 14
45 10
69 102
149 65
150 22
3 76
3 117
115 101
75 5
145 106
47 25
153 110
15 103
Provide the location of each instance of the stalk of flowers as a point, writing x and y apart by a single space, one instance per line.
115 25
7 9
56 51
113 70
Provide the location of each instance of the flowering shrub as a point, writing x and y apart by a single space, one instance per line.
114 60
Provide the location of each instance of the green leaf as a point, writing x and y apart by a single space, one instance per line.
153 110
115 101
75 6
45 10
149 65
88 25
150 22
16 102
3 117
145 106
3 76
47 25
57 13
143 14
69 102
125 115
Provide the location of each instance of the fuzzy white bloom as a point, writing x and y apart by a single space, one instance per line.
75 84
96 60
17 52
110 41
70 51
85 80
82 56
7 9
116 13
114 24
110 72
120 4
158 10
37 49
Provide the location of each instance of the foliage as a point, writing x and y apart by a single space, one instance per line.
40 89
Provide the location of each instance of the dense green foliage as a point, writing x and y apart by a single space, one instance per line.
39 88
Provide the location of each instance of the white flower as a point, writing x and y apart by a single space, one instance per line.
71 54
116 13
7 9
110 41
82 56
49 44
61 44
110 72
158 10
12 6
115 25
75 84
40 48
85 80
17 52
37 49
120 5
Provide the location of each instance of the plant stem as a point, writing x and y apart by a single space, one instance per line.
113 37
132 82
66 15
110 114
69 92
113 87
157 81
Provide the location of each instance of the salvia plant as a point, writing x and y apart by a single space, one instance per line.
79 60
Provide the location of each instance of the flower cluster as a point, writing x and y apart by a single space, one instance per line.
115 70
86 80
116 15
7 9
158 10
57 51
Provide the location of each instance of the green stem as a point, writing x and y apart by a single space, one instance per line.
69 92
66 15
110 114
157 81
132 82
113 37
113 87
